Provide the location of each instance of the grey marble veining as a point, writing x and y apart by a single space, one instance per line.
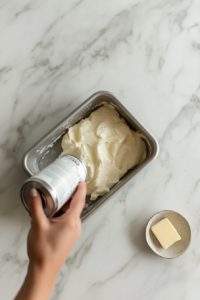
53 56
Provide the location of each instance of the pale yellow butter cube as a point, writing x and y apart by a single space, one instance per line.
165 232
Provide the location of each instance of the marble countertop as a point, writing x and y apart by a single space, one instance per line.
54 55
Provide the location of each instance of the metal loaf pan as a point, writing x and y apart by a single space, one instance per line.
49 148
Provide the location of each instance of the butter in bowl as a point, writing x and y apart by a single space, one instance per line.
168 234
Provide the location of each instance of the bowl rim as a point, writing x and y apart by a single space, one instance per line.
169 210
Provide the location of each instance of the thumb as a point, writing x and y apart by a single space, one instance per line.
36 207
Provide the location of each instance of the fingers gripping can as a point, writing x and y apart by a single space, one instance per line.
56 183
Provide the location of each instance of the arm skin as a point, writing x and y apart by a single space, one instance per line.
49 243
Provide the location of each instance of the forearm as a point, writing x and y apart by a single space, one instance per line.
38 284
49 243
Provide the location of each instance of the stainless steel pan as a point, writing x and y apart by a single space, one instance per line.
49 148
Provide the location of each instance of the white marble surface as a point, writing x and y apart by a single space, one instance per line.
55 54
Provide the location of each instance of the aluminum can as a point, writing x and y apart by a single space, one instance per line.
56 183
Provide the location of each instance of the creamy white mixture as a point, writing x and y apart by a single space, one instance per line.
107 146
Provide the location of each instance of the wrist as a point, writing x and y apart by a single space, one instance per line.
44 273
38 284
41 279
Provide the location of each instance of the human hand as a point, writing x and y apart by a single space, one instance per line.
51 240
49 243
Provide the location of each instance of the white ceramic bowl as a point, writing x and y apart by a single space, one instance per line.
181 225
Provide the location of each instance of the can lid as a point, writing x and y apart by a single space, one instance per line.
49 205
